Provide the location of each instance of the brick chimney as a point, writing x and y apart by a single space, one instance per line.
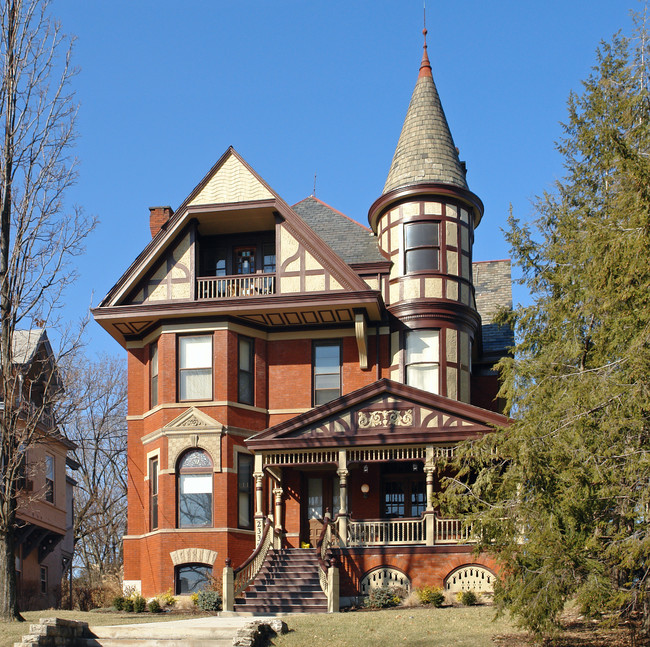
158 216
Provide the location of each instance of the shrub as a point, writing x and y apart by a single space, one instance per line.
139 603
195 599
166 599
384 596
154 606
468 598
209 600
431 595
128 604
118 603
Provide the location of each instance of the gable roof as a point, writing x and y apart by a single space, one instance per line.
233 181
351 241
411 416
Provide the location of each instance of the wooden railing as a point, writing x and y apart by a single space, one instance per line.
387 531
240 285
408 531
451 531
248 571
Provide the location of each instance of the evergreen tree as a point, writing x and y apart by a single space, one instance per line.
562 496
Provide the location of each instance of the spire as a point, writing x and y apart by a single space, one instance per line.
425 151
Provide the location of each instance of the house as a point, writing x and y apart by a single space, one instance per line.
284 361
44 537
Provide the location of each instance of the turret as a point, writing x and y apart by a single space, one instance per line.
425 221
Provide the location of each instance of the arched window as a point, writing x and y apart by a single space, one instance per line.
191 578
195 489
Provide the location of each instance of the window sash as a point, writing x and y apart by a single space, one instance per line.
245 491
195 500
326 371
422 362
245 373
421 246
153 488
195 367
154 375
49 478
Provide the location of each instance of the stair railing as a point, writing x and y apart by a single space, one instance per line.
328 572
247 572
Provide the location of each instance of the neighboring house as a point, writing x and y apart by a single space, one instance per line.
286 360
44 537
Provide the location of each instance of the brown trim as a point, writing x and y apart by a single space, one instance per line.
412 550
441 190
434 313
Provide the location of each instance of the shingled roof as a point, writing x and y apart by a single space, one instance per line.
425 151
352 242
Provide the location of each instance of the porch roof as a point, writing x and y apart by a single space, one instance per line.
381 414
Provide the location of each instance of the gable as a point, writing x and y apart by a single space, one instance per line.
231 182
385 413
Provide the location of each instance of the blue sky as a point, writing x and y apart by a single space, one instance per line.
312 86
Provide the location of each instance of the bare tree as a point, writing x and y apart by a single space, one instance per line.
96 394
38 238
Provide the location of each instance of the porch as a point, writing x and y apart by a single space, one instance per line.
373 496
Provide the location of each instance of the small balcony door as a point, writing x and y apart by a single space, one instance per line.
321 493
244 260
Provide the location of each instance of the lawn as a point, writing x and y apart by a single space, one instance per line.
413 627
11 632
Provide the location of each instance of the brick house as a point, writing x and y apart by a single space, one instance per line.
284 361
44 536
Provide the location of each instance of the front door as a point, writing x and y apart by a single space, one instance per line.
322 493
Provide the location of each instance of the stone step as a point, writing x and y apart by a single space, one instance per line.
284 609
309 597
298 588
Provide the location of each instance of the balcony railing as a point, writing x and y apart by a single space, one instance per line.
404 532
240 285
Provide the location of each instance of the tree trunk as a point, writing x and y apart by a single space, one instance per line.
8 586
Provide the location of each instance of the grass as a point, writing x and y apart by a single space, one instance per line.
410 627
11 632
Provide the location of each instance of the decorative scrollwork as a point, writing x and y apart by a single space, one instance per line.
385 418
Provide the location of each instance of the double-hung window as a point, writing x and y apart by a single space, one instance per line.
153 493
423 359
153 366
421 246
244 491
49 478
195 475
246 371
195 367
327 371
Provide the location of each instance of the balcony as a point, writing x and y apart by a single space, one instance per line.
238 285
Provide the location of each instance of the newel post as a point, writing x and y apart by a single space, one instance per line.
430 517
277 536
228 602
333 587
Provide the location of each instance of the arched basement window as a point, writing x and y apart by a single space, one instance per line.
195 489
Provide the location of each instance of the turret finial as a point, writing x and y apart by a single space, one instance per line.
425 66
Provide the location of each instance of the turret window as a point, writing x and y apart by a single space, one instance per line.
423 360
421 246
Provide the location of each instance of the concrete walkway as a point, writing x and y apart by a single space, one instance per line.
207 631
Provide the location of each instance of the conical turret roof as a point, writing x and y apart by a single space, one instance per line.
425 151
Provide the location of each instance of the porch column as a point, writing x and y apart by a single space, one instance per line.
430 517
277 539
343 511
258 475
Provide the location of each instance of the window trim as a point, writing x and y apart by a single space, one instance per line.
153 375
179 567
320 343
43 578
209 368
249 374
435 247
154 473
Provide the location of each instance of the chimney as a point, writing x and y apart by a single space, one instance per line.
158 217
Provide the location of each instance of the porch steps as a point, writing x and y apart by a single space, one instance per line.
288 582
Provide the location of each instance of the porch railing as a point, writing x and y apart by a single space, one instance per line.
404 532
241 285
388 531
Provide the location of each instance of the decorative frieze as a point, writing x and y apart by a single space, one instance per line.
385 418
